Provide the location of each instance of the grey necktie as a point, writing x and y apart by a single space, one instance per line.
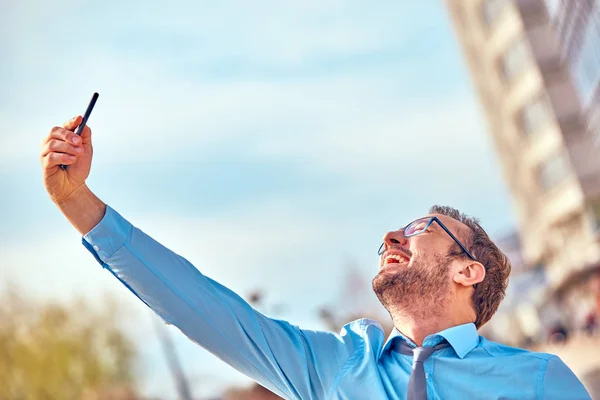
417 387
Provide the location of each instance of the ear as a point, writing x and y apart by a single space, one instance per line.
470 274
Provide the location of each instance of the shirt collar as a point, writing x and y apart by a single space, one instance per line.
462 338
394 336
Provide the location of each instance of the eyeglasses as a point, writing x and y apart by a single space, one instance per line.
419 226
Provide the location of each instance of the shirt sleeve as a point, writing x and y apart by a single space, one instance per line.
294 363
561 383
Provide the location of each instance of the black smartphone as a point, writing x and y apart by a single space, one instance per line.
86 116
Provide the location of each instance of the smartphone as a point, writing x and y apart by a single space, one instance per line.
86 116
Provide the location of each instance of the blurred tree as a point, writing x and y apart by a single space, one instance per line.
254 392
54 351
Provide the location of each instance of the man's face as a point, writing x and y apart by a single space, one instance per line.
416 271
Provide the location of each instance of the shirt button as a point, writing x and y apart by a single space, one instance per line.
426 376
96 247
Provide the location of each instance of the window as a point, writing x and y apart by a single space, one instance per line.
553 6
553 171
594 125
491 9
586 66
535 115
595 208
515 59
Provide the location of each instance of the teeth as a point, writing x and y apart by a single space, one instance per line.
396 257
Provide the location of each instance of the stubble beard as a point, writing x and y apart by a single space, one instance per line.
420 291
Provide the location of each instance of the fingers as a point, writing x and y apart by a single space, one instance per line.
63 146
63 135
86 135
60 146
53 159
73 123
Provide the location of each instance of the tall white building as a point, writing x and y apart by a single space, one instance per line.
536 67
577 27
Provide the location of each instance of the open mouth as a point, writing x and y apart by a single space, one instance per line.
395 259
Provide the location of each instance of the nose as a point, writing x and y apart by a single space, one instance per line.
393 238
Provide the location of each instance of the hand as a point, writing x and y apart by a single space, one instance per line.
63 146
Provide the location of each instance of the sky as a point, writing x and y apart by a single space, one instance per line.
272 144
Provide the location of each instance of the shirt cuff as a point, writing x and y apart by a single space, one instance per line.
108 236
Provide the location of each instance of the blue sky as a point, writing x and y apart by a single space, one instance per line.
270 143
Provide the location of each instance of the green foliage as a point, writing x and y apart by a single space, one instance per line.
54 351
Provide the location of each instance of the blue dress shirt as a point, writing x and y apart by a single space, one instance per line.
356 364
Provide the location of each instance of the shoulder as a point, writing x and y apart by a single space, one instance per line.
363 324
365 331
554 378
496 349
560 382
359 334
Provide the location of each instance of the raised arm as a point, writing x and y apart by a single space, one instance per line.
294 363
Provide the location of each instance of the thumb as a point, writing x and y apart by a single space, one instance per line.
73 123
86 135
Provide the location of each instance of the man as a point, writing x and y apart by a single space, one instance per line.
440 278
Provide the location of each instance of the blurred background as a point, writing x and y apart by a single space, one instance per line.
273 144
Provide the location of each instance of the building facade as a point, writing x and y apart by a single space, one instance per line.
577 27
535 65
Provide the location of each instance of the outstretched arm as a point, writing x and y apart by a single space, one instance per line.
294 363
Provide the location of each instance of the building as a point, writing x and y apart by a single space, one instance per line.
535 65
577 28
516 321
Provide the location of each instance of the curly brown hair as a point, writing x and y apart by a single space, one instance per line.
490 292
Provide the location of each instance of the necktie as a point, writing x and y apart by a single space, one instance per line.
417 387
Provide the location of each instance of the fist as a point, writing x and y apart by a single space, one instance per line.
63 147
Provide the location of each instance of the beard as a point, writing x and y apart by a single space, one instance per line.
420 290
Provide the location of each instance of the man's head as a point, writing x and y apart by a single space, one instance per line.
424 270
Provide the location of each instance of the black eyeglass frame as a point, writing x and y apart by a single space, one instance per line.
440 223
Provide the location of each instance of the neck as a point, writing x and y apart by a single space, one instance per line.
417 327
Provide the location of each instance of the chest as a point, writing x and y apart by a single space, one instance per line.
446 378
